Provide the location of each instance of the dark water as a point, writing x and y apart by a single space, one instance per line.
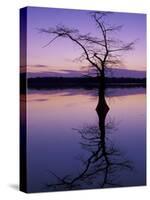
66 149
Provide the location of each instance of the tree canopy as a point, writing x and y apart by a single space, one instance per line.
100 52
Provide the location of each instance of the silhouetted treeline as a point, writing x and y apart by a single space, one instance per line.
85 82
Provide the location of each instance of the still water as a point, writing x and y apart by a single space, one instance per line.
66 149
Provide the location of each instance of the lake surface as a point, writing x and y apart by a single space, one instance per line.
66 149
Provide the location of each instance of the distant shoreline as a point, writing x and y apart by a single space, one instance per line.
85 82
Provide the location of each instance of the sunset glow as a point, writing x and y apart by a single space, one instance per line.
60 54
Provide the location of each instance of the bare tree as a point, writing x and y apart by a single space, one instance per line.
101 52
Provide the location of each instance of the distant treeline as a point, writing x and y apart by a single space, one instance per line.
83 82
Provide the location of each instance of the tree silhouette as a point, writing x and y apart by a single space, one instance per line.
100 52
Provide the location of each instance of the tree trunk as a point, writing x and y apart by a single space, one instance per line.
102 110
102 106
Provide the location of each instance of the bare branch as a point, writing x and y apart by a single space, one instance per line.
100 52
50 41
125 47
114 28
71 34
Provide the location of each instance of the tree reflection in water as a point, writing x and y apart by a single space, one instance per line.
105 161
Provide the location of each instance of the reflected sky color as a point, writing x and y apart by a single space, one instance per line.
60 55
53 142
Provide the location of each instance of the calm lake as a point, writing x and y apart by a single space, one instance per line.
65 148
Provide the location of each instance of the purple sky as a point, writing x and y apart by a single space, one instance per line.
60 54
